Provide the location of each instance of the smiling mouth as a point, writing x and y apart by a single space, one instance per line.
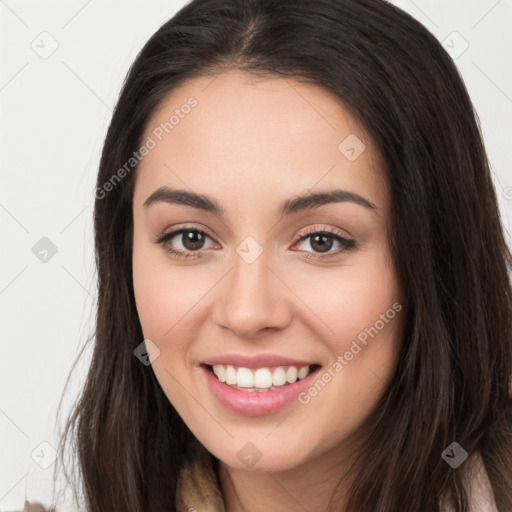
260 379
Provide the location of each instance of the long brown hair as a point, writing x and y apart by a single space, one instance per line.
453 378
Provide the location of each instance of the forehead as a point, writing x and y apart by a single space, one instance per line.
270 136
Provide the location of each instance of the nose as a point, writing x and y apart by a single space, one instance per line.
252 298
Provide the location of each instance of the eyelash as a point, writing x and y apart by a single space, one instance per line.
348 244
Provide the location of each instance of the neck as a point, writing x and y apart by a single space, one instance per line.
314 485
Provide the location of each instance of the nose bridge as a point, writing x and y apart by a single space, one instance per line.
251 297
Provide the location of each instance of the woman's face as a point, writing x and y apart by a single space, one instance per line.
274 280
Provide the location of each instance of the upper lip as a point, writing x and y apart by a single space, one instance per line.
259 361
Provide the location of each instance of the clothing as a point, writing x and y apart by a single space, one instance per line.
199 491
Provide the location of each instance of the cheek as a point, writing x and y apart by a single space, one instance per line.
359 310
149 285
164 295
350 300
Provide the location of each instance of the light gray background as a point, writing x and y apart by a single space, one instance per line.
54 113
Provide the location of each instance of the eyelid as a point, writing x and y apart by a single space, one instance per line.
181 227
325 229
347 243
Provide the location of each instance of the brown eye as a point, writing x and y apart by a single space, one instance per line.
192 240
184 243
321 243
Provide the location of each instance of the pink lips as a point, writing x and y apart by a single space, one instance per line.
255 403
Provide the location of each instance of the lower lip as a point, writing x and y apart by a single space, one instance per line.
256 403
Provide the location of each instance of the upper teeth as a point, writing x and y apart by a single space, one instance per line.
263 378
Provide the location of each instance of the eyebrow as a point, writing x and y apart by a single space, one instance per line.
296 204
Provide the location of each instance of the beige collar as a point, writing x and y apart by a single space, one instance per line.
198 485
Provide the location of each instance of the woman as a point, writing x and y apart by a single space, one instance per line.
304 300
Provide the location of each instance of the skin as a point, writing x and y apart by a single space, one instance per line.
252 143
